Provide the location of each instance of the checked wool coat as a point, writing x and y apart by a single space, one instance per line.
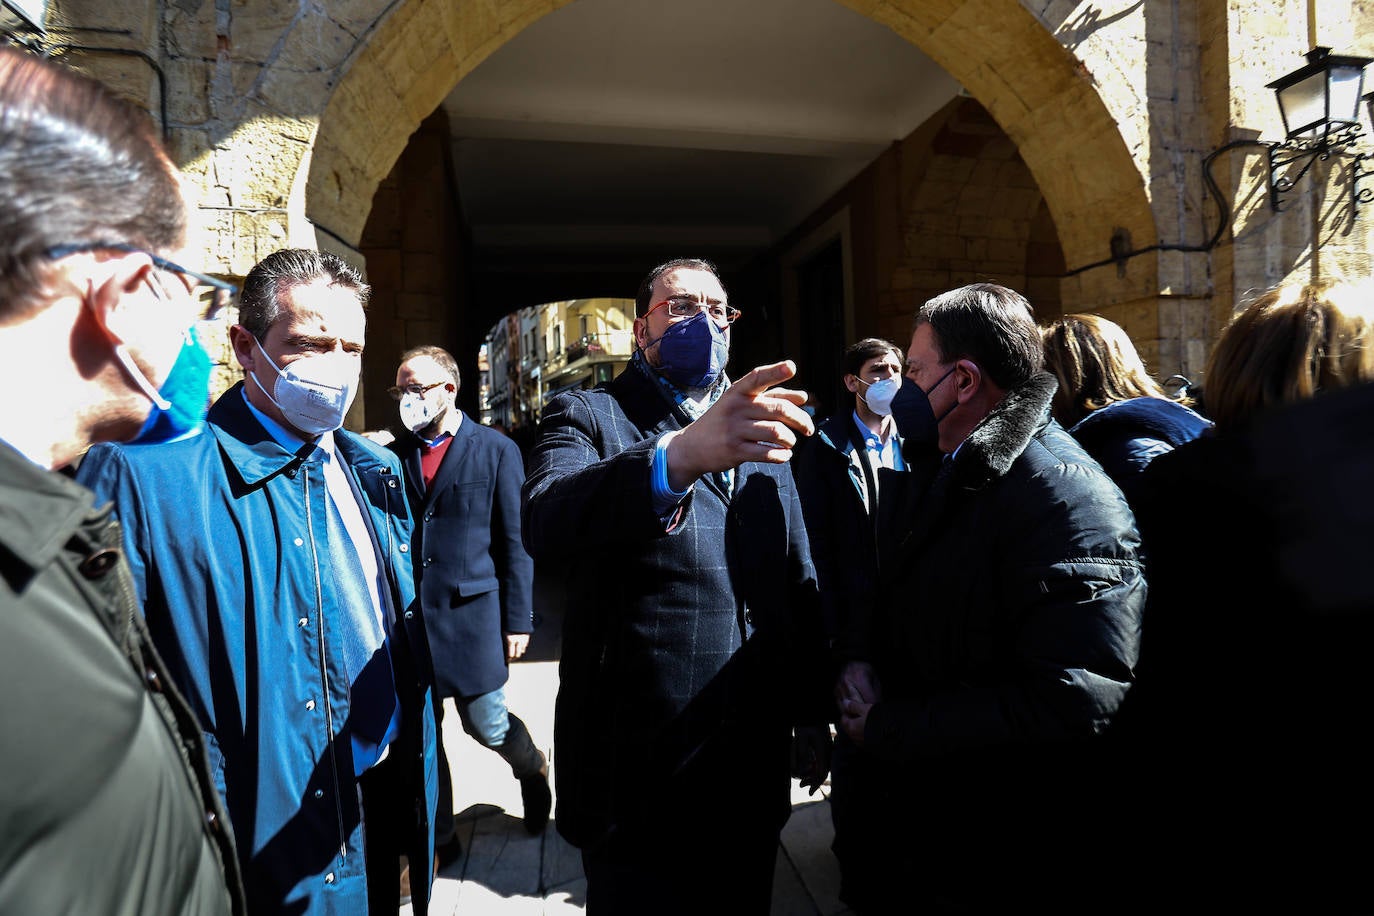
691 646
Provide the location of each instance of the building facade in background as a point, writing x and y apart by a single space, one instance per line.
576 343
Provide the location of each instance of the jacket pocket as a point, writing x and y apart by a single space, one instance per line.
466 588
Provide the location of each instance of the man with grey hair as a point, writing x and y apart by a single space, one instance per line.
271 556
1005 635
106 799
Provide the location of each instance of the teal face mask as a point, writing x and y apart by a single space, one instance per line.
180 405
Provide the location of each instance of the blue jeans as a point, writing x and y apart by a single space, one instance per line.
485 717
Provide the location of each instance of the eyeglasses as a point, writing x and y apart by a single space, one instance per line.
417 390
215 294
686 307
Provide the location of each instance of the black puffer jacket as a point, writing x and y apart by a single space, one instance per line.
1006 640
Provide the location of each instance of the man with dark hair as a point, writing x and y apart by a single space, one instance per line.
685 669
106 798
473 576
838 473
1004 637
271 558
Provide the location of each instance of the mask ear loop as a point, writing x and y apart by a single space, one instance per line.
254 376
121 353
126 360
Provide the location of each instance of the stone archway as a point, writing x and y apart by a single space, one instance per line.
415 57
1035 88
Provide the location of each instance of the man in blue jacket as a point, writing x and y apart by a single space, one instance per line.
838 473
271 556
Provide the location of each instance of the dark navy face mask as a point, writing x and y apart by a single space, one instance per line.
911 411
693 353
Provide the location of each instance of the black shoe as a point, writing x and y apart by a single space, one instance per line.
448 852
538 800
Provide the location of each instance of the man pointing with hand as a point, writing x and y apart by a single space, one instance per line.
660 508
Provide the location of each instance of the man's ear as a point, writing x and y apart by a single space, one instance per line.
243 343
851 383
110 286
640 330
968 379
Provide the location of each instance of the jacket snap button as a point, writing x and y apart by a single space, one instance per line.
309 704
303 622
391 483
329 878
154 682
410 615
405 548
319 793
99 563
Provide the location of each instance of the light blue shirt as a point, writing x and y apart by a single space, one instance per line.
341 495
883 450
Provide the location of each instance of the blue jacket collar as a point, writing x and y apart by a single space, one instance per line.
257 455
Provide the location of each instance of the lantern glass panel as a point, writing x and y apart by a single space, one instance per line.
1303 104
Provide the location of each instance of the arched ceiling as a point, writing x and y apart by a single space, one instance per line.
614 124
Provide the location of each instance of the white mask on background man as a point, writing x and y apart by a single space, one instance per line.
314 392
880 395
417 411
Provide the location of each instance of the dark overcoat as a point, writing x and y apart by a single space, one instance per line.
473 575
689 648
1260 539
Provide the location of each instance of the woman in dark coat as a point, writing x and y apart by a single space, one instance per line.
1109 402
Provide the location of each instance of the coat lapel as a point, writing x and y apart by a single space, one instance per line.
453 459
410 462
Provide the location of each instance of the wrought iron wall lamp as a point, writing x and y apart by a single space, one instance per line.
1320 107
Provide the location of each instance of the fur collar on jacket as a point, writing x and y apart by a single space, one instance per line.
1000 437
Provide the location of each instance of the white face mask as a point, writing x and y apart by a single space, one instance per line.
314 392
417 411
880 395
